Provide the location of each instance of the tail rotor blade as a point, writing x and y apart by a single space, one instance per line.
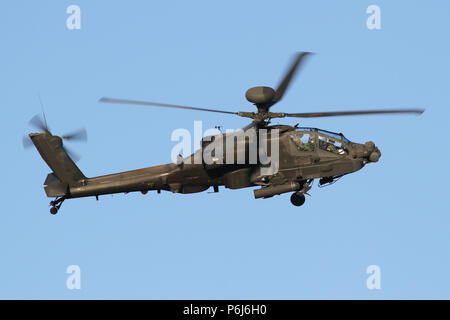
26 142
73 155
79 135
38 123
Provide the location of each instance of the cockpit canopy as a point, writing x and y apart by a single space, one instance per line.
308 139
336 136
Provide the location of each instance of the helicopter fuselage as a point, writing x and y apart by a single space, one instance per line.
304 154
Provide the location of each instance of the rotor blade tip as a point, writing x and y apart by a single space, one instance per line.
304 53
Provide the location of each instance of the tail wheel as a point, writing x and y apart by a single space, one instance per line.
56 204
297 199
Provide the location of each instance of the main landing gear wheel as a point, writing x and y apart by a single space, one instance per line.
53 210
297 199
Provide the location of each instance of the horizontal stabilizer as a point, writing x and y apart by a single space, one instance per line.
55 187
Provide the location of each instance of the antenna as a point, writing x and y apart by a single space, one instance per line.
43 113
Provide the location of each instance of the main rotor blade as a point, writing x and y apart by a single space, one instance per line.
352 113
163 105
249 126
284 84
79 135
38 123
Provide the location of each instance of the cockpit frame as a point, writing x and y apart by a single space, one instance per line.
309 140
335 135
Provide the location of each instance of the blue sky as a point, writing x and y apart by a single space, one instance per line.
393 214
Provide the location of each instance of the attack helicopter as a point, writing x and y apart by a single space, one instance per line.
303 154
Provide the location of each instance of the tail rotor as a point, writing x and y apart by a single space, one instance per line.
39 122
